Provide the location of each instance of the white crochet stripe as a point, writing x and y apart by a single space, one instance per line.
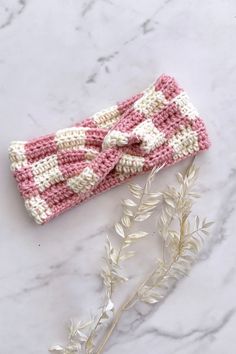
107 117
17 155
150 135
182 101
184 143
85 181
129 164
115 138
90 154
71 138
38 209
46 172
151 102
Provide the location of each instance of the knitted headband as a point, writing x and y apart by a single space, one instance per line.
155 127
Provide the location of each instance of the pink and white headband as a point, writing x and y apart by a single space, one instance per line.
155 127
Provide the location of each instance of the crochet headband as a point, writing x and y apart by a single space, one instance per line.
155 127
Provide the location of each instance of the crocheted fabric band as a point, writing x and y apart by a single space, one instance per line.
155 127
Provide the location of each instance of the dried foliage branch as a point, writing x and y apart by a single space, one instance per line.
137 208
181 246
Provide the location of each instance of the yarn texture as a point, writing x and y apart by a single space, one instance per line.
155 127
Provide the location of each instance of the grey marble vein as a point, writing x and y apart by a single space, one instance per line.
197 333
11 12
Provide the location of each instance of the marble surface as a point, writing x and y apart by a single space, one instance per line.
61 60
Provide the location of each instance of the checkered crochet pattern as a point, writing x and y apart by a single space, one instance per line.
155 127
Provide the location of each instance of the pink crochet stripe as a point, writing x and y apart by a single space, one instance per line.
168 86
39 148
155 127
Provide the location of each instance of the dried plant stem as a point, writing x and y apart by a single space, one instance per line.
132 299
132 218
164 272
113 326
120 249
181 246
93 331
124 306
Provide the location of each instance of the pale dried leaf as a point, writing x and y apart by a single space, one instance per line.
135 190
136 187
179 177
119 229
56 349
110 306
143 217
128 212
208 224
151 202
129 202
137 235
82 337
170 202
125 220
127 255
205 232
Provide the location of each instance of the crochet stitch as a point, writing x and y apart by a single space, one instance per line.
155 127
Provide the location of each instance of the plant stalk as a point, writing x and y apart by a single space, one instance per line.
127 304
131 299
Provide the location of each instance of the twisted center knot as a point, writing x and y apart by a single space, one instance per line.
145 135
116 138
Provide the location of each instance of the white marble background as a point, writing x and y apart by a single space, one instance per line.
61 60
